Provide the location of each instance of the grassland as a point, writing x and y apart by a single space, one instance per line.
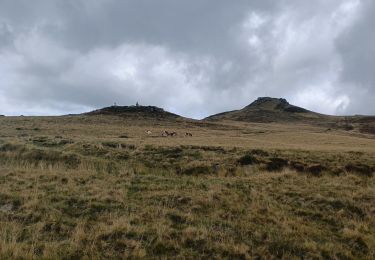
100 187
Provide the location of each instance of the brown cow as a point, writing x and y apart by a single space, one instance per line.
166 134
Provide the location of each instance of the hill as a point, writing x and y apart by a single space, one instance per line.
139 112
267 110
279 110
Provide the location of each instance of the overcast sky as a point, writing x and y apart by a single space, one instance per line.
194 58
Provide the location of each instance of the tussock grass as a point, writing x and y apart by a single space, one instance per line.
77 188
77 213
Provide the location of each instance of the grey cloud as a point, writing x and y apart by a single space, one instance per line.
191 57
5 35
356 46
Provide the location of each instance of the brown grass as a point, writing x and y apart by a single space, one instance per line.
75 187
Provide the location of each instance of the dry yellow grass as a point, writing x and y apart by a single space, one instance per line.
100 187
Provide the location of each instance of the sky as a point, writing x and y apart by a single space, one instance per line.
194 58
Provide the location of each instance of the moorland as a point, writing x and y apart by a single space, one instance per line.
271 180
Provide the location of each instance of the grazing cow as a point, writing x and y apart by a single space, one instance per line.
166 134
189 134
148 132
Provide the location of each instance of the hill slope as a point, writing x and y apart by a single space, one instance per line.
135 112
266 110
278 110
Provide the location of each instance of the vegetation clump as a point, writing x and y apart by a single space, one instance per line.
195 170
361 169
111 144
276 164
316 169
248 159
44 141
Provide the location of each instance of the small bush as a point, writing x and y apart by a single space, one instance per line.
196 170
248 159
276 164
316 169
348 127
360 168
212 149
110 144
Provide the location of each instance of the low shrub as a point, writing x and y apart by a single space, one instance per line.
276 164
195 170
248 159
316 169
360 168
110 144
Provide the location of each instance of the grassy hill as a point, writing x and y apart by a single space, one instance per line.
278 110
97 185
150 112
266 110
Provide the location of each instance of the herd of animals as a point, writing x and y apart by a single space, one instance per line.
171 134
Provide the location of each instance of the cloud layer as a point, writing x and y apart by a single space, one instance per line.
194 58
